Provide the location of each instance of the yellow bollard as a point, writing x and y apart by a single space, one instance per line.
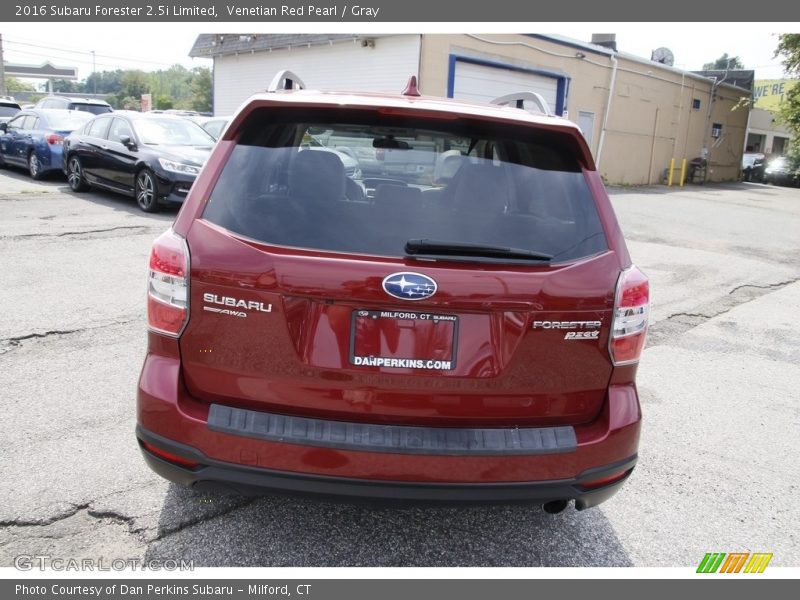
683 171
671 171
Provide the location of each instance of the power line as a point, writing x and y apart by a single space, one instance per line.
75 60
84 52
87 61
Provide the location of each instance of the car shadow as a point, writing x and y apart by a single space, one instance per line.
125 204
222 531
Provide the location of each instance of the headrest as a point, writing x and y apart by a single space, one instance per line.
317 175
481 189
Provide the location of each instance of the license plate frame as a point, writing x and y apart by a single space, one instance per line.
402 318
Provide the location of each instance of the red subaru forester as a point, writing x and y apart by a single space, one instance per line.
395 297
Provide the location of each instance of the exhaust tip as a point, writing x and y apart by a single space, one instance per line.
555 507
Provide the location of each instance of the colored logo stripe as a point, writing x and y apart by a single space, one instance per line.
735 561
711 562
758 562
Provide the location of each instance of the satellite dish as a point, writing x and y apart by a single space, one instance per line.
663 56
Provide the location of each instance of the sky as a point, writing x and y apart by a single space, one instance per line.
156 46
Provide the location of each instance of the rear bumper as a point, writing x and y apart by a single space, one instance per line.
170 420
50 157
221 476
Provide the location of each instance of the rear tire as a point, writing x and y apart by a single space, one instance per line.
75 178
34 166
146 191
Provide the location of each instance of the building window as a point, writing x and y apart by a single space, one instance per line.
716 130
696 103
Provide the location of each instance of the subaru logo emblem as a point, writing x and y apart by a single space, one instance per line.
409 286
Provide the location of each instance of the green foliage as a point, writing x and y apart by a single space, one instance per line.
15 85
134 84
163 103
185 89
201 89
175 87
789 50
724 62
130 103
105 82
67 86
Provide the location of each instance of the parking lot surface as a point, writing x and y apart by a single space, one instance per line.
718 383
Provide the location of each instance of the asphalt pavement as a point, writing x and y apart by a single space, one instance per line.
718 466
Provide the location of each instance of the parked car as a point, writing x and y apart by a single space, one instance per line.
8 108
34 138
753 165
90 105
213 125
474 339
182 113
781 171
154 158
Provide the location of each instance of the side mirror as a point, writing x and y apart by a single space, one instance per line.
126 141
4 127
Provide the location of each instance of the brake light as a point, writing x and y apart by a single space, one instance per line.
631 309
54 138
168 285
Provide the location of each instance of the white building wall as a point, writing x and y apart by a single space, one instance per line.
385 67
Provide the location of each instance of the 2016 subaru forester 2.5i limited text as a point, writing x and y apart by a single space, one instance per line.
455 319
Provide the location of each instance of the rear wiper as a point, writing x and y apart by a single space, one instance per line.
415 247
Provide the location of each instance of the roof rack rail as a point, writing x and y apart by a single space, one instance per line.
286 80
517 99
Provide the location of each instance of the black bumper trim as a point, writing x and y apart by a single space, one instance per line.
394 439
250 480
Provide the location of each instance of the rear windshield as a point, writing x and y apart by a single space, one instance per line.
357 182
66 121
95 109
8 111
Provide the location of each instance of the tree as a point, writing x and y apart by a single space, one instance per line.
68 87
108 82
201 89
15 85
789 51
130 103
724 63
164 103
134 84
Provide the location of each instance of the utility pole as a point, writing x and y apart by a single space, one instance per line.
94 72
2 69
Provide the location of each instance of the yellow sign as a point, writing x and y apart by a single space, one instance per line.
769 93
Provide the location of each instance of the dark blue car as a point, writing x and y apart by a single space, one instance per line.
34 138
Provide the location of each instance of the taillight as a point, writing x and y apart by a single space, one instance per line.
54 138
168 284
631 308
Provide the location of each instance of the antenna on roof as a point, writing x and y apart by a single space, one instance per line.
411 87
286 80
